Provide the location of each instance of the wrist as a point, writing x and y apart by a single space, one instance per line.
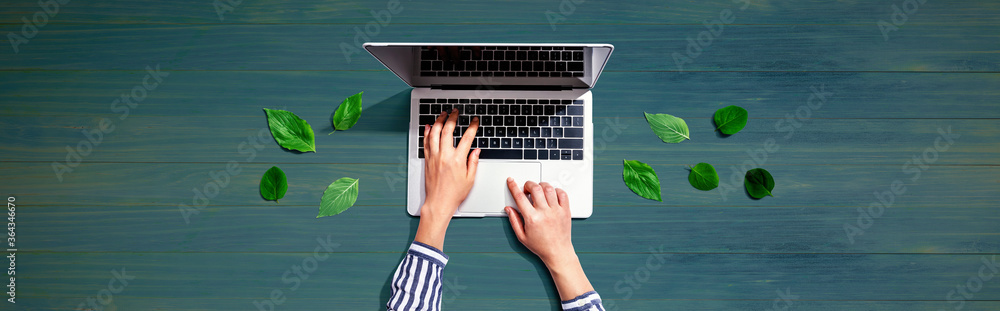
562 264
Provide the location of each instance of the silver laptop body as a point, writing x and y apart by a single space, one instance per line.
535 109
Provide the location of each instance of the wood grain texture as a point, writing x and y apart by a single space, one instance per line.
118 209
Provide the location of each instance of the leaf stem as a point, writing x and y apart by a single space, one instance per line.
334 131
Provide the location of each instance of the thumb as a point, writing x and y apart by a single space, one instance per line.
516 223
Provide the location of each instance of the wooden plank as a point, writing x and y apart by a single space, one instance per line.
791 48
943 229
513 12
239 278
797 185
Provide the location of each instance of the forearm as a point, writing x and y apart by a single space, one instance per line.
432 228
416 284
568 275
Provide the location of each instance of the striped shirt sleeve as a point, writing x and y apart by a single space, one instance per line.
589 301
416 285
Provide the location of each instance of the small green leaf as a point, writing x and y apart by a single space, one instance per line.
759 183
273 184
703 177
338 197
669 128
290 131
730 119
348 113
641 178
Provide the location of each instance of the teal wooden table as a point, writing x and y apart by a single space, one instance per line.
878 119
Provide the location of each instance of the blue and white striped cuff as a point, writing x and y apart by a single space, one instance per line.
429 253
587 301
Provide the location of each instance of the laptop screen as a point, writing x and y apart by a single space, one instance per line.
491 64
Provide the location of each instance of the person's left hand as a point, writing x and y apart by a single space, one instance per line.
449 171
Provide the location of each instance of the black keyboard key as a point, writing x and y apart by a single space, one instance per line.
501 131
487 55
427 74
515 109
491 109
577 74
574 110
427 120
577 121
546 132
470 109
522 132
530 154
571 143
526 110
427 100
515 66
578 154
504 66
486 120
533 120
550 66
543 121
566 155
554 155
575 66
543 56
554 56
554 121
552 143
494 143
428 54
511 131
437 65
522 120
446 108
578 56
567 121
573 132
505 143
489 131
538 66
534 132
549 110
420 153
517 143
560 66
480 109
510 55
529 143
425 109
560 110
500 154
577 102
523 55
557 132
435 109
463 120
508 120
484 142
540 143
543 155
538 110
493 66
533 55
504 109
567 55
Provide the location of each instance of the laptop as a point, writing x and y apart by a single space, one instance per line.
535 109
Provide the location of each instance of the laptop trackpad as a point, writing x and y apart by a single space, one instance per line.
490 194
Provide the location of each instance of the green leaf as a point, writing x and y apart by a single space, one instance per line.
273 184
338 197
703 177
348 113
759 183
290 131
669 128
730 119
641 179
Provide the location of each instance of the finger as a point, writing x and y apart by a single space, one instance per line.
476 51
519 197
537 194
550 194
516 222
441 53
427 129
447 133
469 137
473 163
563 198
435 134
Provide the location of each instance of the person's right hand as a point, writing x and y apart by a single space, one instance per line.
543 226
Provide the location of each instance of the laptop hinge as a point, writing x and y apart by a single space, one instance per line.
502 87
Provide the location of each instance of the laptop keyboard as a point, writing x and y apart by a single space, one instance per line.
501 61
529 129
